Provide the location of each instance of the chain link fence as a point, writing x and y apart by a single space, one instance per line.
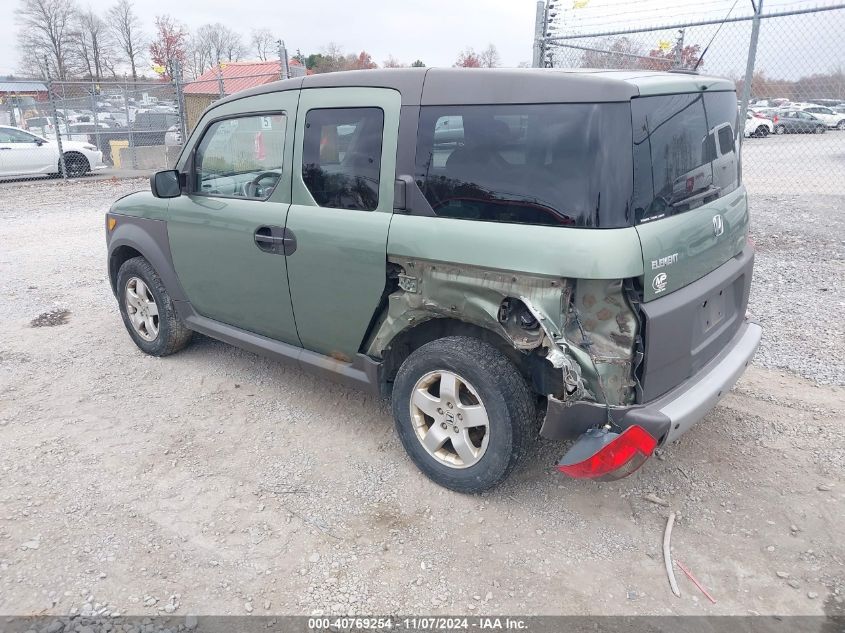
794 128
70 129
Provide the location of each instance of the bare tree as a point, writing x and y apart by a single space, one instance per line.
126 30
215 43
392 62
91 45
45 28
263 43
489 57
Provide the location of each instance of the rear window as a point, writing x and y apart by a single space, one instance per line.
684 152
550 164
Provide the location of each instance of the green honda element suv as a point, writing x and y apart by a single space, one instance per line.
503 253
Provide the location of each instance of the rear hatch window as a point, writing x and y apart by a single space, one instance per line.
689 207
685 152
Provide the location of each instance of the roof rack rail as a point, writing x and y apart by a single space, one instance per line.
683 71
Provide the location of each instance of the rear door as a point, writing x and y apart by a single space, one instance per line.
344 169
688 201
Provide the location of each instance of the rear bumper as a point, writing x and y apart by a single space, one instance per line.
668 417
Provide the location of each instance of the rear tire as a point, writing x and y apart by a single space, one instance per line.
780 129
147 310
76 164
462 375
762 131
841 125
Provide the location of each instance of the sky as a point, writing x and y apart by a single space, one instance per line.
437 30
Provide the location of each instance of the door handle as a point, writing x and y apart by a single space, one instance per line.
275 239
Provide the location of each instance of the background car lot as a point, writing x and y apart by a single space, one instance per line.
215 481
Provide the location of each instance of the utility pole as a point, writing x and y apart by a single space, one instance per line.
679 49
542 56
52 99
180 100
220 88
539 35
284 67
749 67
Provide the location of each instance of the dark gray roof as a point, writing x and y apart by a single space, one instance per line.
448 86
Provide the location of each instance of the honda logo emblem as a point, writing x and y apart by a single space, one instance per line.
718 225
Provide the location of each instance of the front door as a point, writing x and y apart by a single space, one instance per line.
227 233
344 170
23 153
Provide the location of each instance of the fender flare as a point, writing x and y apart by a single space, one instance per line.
149 238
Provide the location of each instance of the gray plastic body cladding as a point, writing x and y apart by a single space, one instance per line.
675 412
363 372
678 340
148 237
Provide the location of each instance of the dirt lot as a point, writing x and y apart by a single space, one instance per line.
217 482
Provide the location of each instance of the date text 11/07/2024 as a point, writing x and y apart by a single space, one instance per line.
438 623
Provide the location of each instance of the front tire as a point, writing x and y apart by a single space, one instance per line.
147 310
841 125
780 129
820 129
463 412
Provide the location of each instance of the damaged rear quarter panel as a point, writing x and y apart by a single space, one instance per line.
464 270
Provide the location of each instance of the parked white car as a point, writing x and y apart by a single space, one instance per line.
830 118
24 154
757 125
173 136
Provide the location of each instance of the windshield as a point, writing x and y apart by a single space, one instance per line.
685 152
550 164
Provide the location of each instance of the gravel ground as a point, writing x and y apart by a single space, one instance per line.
799 274
218 482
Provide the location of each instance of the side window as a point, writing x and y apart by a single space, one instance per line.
15 136
241 157
549 164
726 140
341 157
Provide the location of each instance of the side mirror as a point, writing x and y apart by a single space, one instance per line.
39 142
166 184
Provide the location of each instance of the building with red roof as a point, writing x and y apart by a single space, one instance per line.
230 78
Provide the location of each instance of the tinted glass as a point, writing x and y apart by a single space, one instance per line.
341 157
677 164
241 157
726 140
9 135
551 164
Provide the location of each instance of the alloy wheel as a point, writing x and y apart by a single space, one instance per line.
142 309
449 419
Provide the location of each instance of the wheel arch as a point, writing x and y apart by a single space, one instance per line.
147 238
535 369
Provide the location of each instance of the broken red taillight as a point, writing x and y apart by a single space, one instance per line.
603 455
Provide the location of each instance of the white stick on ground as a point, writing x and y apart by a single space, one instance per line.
667 555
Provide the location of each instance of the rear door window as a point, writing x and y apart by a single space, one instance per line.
341 157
